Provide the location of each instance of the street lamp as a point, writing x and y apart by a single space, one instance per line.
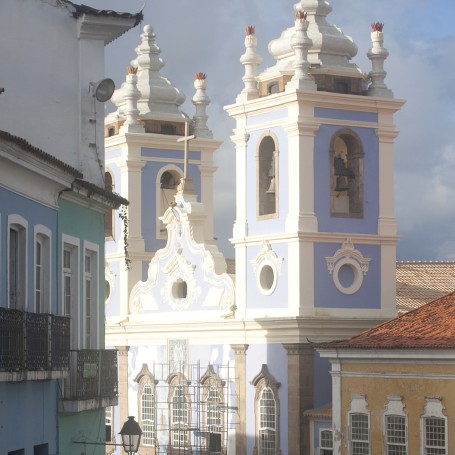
131 436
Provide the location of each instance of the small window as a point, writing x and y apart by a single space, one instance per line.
90 303
42 273
167 128
180 289
273 87
111 131
109 424
342 86
147 419
326 442
179 418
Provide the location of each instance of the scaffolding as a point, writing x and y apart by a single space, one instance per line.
194 409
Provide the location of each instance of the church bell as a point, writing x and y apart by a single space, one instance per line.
341 184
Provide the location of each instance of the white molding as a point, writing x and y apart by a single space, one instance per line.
40 229
353 258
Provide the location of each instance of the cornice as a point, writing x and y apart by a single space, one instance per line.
316 99
321 237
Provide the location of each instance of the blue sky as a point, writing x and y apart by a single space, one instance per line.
207 36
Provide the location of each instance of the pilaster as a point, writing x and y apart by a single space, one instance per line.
240 393
122 352
300 396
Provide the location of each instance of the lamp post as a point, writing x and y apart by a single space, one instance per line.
131 436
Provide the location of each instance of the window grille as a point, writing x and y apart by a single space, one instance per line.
435 436
396 435
267 423
360 444
326 442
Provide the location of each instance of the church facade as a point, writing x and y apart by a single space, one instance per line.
212 362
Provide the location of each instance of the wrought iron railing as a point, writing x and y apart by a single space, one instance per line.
93 374
33 341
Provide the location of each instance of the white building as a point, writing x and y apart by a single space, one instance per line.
314 238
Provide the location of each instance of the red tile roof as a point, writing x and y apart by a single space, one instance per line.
422 282
430 326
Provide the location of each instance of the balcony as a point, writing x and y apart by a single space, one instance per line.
93 381
33 346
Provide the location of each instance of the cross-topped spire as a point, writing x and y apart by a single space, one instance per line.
186 139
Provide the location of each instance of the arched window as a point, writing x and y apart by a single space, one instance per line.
213 417
179 413
147 405
267 177
267 413
346 175
109 216
17 264
167 183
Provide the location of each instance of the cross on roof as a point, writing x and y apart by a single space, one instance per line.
186 139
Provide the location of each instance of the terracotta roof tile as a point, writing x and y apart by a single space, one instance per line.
322 413
430 326
42 155
422 282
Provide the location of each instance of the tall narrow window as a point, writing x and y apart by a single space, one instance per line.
179 418
346 174
90 299
148 416
267 423
147 405
70 286
179 412
267 409
109 424
17 269
109 216
213 417
267 177
42 269
434 428
395 427
360 442
359 426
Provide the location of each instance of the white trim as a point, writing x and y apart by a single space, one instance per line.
46 234
72 243
394 408
91 249
18 220
433 408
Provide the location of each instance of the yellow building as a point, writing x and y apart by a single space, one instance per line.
394 385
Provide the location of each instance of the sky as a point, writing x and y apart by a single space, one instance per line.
208 36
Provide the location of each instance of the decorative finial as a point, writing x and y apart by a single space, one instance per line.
200 76
378 54
201 101
301 43
301 15
250 30
132 70
377 26
250 60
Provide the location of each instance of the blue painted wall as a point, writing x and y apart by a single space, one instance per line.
34 213
326 295
275 356
369 223
279 298
30 408
273 225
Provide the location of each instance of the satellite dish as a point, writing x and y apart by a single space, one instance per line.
103 89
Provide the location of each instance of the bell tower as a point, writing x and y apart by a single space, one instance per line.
148 151
315 232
